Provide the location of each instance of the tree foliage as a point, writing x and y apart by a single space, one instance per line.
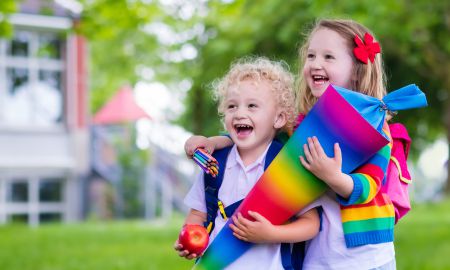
7 7
414 36
145 40
127 43
129 48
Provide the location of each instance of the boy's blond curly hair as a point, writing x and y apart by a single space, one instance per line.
276 73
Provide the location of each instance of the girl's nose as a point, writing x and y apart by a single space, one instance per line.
316 64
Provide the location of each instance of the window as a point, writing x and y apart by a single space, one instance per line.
19 45
35 198
49 46
18 191
32 93
16 78
18 218
49 217
50 190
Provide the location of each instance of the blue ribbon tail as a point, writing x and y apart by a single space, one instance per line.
407 97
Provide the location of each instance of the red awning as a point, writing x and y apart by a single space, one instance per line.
121 108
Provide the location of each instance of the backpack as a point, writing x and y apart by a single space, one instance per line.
291 255
398 178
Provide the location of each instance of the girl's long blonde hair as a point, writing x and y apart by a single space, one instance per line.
370 77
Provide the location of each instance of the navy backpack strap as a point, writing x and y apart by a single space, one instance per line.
298 249
229 210
273 151
298 254
212 186
292 255
285 250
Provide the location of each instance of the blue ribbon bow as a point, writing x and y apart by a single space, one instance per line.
374 110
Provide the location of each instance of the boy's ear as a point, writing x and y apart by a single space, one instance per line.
280 120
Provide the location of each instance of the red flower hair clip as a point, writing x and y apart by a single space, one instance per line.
367 49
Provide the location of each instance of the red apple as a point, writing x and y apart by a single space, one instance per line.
194 238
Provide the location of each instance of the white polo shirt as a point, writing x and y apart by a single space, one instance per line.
237 182
328 250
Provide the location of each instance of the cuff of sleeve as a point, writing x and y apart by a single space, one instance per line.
356 193
196 205
225 134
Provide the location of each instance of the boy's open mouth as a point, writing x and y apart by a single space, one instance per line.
318 79
242 129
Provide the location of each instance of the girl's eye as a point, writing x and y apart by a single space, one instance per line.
329 56
310 56
252 106
231 106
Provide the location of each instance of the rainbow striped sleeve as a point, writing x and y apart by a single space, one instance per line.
368 178
368 215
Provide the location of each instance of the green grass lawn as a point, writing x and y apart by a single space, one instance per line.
422 242
91 246
422 238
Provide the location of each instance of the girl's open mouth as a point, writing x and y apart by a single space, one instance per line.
318 79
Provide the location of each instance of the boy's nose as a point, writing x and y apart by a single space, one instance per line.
240 113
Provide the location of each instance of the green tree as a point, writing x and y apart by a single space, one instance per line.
7 7
132 162
133 41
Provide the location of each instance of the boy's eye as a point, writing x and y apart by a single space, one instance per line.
252 105
329 56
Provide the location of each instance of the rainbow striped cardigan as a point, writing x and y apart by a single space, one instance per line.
368 214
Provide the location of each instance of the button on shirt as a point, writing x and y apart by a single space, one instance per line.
237 182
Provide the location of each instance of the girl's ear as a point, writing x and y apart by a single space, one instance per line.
280 120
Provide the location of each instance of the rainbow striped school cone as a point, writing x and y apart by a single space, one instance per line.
353 120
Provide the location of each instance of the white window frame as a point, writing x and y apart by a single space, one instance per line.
36 25
33 207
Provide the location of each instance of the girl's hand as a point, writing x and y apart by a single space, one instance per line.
319 163
183 252
197 141
326 168
258 231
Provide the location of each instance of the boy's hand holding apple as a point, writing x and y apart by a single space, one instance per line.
192 241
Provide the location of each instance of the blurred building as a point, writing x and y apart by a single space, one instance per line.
113 135
127 181
43 113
